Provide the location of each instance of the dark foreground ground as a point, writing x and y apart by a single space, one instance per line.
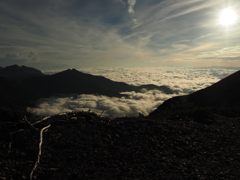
82 146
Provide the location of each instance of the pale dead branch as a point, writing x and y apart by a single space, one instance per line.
39 150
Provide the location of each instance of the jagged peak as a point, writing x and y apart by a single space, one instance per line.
68 72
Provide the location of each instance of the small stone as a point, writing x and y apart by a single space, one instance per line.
74 118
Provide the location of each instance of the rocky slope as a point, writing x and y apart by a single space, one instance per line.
84 146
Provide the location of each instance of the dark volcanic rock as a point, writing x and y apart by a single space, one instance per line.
88 147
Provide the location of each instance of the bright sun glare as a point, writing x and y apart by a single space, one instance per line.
228 17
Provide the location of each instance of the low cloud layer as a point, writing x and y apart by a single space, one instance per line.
135 103
183 81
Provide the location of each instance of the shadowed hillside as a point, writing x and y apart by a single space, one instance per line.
73 81
221 95
66 82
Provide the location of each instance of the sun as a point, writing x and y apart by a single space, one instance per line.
228 17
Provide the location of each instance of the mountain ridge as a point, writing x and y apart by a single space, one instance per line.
70 81
223 94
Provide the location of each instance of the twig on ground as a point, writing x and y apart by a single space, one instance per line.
10 143
101 113
41 120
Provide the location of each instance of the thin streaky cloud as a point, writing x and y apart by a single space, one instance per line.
187 10
114 33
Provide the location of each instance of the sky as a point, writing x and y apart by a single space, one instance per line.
61 34
182 81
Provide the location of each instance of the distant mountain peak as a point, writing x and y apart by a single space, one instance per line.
69 71
19 72
73 69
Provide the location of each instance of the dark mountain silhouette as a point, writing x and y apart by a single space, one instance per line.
225 93
108 84
33 82
66 82
73 81
19 72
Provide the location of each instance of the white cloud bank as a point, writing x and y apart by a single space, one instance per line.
183 80
143 102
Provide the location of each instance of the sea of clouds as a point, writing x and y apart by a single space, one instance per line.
181 80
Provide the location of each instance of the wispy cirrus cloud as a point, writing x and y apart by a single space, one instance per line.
114 32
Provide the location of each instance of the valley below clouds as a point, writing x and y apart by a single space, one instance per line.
182 81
